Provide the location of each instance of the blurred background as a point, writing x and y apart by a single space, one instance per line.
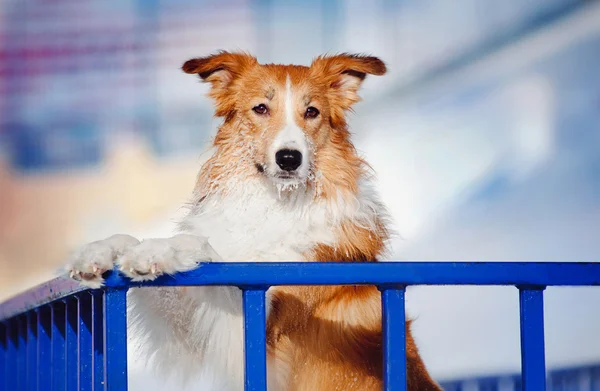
485 136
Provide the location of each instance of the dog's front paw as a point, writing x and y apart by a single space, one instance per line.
154 257
148 260
92 260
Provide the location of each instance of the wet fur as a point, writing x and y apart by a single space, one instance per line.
319 338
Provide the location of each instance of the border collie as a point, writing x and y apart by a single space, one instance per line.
284 183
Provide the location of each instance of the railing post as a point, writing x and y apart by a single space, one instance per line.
59 368
394 338
32 353
115 339
3 354
22 353
44 348
84 333
98 340
533 366
255 352
72 341
11 357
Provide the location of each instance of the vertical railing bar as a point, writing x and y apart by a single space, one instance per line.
115 340
32 353
22 352
53 334
71 345
84 332
394 338
59 376
533 368
255 340
11 357
44 351
107 344
98 340
3 355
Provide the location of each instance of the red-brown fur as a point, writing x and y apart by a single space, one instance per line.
328 337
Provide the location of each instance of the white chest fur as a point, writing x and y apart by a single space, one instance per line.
256 223
253 222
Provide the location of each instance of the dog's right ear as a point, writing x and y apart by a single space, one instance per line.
220 70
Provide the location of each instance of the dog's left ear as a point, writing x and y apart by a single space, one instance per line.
345 73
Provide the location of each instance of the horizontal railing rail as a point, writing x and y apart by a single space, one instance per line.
60 336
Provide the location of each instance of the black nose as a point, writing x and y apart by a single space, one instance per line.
288 159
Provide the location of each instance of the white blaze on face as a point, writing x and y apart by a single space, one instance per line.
291 136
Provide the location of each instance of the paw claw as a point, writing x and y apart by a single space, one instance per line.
92 260
156 257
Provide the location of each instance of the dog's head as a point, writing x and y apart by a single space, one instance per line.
292 117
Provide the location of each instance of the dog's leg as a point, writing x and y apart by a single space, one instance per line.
186 330
193 334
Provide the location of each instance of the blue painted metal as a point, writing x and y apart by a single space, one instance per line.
3 356
11 356
72 342
91 326
115 340
58 372
533 360
385 273
44 348
332 273
255 341
98 339
85 342
394 338
35 298
32 353
21 352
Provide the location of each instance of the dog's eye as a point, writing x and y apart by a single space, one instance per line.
311 112
261 109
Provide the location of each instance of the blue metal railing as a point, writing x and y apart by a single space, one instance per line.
60 336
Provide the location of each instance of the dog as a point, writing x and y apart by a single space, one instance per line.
284 183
